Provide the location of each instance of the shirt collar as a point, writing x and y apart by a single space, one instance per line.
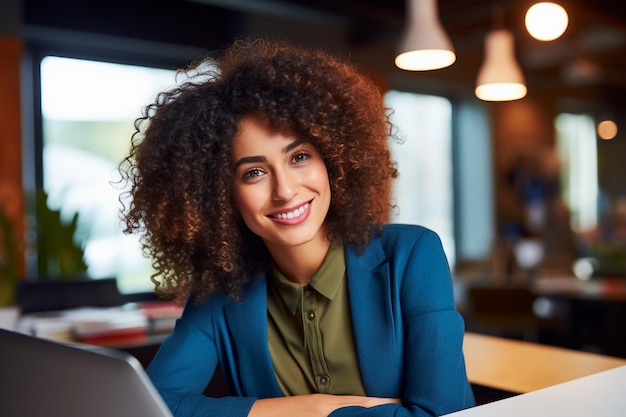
326 281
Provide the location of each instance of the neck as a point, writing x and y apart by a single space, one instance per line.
300 263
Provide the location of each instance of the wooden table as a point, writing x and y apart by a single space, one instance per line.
519 367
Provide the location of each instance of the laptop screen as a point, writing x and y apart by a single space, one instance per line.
44 378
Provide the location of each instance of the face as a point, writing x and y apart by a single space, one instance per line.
280 185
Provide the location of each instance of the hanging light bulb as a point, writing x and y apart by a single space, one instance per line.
424 45
500 78
546 21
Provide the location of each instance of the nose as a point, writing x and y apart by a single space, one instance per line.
285 185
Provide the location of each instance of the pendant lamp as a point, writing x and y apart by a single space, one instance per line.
424 45
500 78
546 21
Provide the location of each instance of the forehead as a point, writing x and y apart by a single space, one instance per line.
252 124
256 133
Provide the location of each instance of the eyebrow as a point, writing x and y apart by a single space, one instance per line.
293 145
249 160
257 159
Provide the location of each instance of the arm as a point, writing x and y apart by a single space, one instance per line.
434 330
180 376
422 310
313 405
435 386
182 368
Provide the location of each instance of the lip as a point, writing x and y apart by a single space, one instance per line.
293 221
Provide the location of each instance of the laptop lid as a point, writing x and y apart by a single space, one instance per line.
39 377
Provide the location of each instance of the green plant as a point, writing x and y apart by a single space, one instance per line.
9 260
611 256
58 254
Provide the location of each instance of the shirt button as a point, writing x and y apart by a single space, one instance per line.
310 315
324 380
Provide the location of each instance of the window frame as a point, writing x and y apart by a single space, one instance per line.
69 44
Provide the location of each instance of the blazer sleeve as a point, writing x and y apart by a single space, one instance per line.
435 379
183 366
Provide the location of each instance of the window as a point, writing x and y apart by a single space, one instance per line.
576 145
88 111
423 192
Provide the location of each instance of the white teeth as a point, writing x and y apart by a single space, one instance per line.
293 214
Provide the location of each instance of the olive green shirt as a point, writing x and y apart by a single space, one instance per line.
310 333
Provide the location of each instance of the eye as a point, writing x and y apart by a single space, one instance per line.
252 173
300 157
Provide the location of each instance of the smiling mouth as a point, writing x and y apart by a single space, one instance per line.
291 214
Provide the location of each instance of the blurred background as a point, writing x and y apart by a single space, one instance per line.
527 193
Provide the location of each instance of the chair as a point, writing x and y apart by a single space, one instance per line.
37 296
505 310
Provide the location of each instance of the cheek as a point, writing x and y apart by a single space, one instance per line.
320 177
247 201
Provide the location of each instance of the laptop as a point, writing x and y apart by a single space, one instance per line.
39 377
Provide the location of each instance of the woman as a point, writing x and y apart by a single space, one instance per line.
258 186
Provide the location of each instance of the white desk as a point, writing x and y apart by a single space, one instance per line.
597 395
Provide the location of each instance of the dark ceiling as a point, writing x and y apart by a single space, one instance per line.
588 61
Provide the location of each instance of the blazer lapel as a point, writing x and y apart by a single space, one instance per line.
378 334
253 373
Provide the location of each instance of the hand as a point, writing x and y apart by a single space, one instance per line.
312 405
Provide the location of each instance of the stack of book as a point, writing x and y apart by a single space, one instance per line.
104 326
91 325
109 326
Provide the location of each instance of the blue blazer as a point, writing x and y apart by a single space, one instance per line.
408 337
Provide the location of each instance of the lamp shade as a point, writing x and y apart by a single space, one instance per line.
500 78
424 44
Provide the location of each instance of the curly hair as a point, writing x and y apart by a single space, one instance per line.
179 166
